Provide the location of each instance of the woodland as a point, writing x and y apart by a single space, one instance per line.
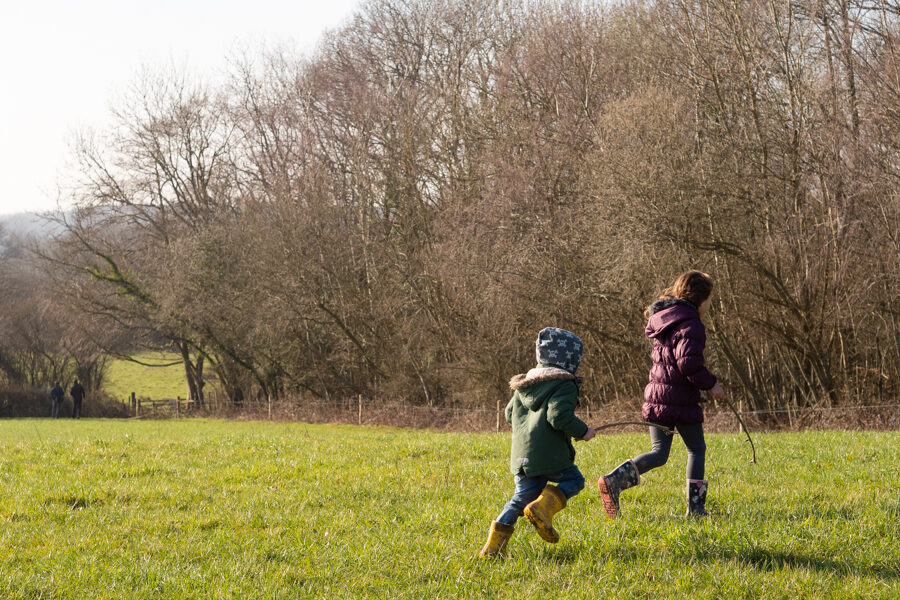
398 213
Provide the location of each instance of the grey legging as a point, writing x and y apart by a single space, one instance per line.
691 435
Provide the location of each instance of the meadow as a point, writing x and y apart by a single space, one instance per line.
217 509
156 382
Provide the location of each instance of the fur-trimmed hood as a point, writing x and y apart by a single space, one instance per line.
667 303
539 375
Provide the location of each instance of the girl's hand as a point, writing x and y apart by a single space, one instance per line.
717 392
591 432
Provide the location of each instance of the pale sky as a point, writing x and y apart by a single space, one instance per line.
63 63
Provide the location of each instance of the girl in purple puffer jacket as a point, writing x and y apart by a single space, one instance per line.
673 395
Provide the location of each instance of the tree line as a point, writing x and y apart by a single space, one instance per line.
398 213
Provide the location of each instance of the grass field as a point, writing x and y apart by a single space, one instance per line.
213 509
158 383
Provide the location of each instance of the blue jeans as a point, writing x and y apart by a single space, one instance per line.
569 482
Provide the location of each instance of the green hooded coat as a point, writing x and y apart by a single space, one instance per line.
542 414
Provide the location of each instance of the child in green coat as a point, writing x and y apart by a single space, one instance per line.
542 415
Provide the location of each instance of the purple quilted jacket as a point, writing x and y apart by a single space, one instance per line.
678 374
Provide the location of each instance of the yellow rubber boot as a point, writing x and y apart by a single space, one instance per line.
497 539
541 511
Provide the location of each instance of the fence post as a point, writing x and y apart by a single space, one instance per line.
359 409
177 406
269 398
498 416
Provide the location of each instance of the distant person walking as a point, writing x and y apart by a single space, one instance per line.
77 393
56 397
673 395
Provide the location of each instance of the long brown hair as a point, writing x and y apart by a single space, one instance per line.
693 286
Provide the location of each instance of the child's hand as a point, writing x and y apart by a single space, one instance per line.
591 432
717 392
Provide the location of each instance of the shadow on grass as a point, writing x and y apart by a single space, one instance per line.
765 559
771 560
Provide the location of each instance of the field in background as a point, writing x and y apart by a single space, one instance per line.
212 509
158 383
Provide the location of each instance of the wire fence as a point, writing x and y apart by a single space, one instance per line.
18 402
362 411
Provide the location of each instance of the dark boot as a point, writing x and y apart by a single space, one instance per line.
621 478
696 497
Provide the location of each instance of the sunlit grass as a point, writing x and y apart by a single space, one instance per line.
156 382
211 509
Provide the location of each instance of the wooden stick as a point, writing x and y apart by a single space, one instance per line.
667 430
744 427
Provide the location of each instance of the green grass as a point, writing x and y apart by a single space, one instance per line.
157 383
212 509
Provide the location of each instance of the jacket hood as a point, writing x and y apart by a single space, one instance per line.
667 313
533 395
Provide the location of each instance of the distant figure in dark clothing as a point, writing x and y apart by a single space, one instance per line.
77 393
56 397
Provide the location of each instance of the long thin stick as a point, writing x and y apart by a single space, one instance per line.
744 427
667 430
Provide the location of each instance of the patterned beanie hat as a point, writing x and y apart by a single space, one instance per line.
559 347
